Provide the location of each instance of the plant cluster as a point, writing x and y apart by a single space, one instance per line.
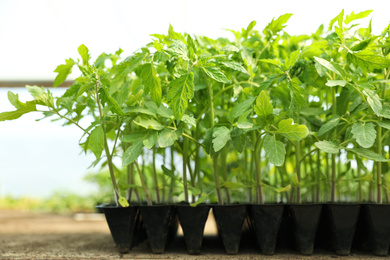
262 117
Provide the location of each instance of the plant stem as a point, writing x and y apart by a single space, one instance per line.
143 184
256 154
155 176
173 170
215 158
224 172
185 158
360 184
106 149
298 169
380 149
334 112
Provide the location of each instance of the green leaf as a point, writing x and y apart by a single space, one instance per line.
368 154
274 150
263 107
272 61
150 124
150 139
277 25
11 115
151 82
291 59
328 146
200 200
216 74
292 131
235 66
167 137
221 136
326 64
333 83
123 202
365 134
240 108
374 101
96 141
384 124
232 185
328 126
132 152
181 90
189 120
338 18
282 189
297 93
63 71
353 16
367 177
244 125
84 53
368 60
133 136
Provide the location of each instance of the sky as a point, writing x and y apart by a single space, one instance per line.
37 35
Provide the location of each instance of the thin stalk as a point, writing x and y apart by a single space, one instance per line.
106 149
155 176
164 183
185 158
334 112
173 170
130 181
380 149
318 175
360 184
257 151
224 172
143 184
215 158
298 169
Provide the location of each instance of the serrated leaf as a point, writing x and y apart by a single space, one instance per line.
240 108
292 131
368 60
150 124
216 74
326 64
221 136
167 138
368 154
151 82
96 141
338 18
328 126
291 59
333 83
263 107
84 53
181 90
230 47
365 134
132 152
63 71
274 150
296 93
277 25
328 146
11 115
235 66
353 16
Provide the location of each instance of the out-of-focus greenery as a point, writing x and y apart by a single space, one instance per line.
59 202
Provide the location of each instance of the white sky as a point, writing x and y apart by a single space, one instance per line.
38 35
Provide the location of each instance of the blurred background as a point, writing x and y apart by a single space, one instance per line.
42 161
